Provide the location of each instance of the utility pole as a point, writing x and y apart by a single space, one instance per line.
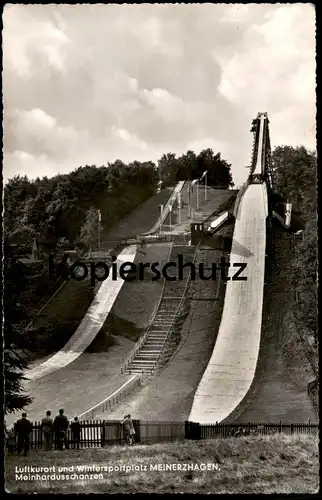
192 184
99 229
170 211
161 215
189 201
179 207
206 185
197 195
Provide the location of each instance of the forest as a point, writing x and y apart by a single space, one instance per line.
294 177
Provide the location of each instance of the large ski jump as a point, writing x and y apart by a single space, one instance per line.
232 366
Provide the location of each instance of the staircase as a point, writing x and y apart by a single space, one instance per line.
149 351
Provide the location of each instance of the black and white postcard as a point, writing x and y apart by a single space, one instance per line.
160 248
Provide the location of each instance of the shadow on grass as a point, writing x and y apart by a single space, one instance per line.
61 318
114 326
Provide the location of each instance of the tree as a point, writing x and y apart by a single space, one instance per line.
187 167
168 168
219 173
304 278
294 175
90 228
16 343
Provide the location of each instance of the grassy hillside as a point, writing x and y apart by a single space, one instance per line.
59 320
270 464
140 220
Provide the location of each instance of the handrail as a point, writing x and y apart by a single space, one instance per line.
165 212
144 336
175 315
112 397
239 196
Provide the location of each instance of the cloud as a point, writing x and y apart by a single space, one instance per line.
93 83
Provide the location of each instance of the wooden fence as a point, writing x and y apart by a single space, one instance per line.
207 431
98 433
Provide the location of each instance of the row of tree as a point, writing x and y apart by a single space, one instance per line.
294 177
55 209
191 166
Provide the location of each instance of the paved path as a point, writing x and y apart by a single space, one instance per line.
231 368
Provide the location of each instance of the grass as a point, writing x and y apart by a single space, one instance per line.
260 464
114 326
61 317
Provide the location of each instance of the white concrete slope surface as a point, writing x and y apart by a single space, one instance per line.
231 368
218 222
90 325
166 209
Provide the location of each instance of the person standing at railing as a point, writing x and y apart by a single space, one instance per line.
60 428
23 428
47 425
11 440
76 432
132 430
127 429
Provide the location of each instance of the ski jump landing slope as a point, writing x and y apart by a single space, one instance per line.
231 368
90 325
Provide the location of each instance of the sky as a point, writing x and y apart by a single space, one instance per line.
88 84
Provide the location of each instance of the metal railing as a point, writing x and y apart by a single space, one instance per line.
239 196
165 212
175 316
118 396
146 333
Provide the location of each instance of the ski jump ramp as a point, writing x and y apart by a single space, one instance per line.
90 325
98 310
231 368
166 209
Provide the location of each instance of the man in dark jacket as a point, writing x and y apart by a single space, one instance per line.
76 432
23 428
47 424
60 428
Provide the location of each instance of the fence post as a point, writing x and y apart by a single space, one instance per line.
137 427
186 429
197 431
192 430
103 433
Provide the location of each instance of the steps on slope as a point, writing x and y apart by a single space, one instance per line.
149 352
